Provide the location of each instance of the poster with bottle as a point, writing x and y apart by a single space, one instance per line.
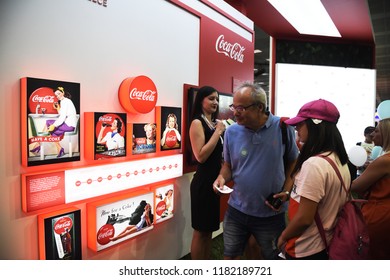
60 236
164 201
105 135
50 121
115 221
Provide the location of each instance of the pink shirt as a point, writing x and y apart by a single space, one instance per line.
318 182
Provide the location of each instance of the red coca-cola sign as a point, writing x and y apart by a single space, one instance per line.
105 233
63 223
161 207
41 101
138 94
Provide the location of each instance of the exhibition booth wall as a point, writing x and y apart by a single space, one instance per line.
100 49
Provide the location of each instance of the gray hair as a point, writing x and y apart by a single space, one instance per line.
257 92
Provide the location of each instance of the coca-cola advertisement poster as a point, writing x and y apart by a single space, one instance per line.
62 235
124 219
50 121
110 135
144 138
170 137
164 201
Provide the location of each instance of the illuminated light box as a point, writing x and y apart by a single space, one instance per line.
352 90
60 235
48 189
144 138
105 135
164 202
117 219
138 94
170 127
43 121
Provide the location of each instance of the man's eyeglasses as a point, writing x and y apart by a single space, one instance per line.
240 109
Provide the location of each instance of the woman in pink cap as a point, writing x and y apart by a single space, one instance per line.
316 185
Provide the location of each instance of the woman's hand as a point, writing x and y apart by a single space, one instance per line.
56 106
220 127
281 244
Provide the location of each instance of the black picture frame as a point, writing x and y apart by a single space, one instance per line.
165 113
103 121
51 245
38 99
140 145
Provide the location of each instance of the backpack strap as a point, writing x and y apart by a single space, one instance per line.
331 162
321 229
317 216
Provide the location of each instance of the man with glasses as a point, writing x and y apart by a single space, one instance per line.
253 154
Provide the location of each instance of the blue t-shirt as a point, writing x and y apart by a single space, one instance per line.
256 160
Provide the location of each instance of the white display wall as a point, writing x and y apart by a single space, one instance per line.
352 90
98 47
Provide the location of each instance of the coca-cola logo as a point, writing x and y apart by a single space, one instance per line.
232 50
105 233
161 207
147 95
171 139
61 224
138 94
41 101
105 118
140 141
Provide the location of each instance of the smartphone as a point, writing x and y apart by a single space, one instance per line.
275 202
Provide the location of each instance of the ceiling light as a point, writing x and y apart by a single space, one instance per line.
258 51
307 16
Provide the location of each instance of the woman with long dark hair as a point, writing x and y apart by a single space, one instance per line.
206 143
316 184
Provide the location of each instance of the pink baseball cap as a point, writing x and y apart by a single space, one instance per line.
320 109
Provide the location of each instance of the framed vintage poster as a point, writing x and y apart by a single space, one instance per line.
144 138
170 132
105 135
164 201
60 235
50 121
117 219
224 114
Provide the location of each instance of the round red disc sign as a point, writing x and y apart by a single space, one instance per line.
138 95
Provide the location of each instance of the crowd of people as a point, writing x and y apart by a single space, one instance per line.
279 186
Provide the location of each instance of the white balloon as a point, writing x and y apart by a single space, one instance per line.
375 152
357 155
384 109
